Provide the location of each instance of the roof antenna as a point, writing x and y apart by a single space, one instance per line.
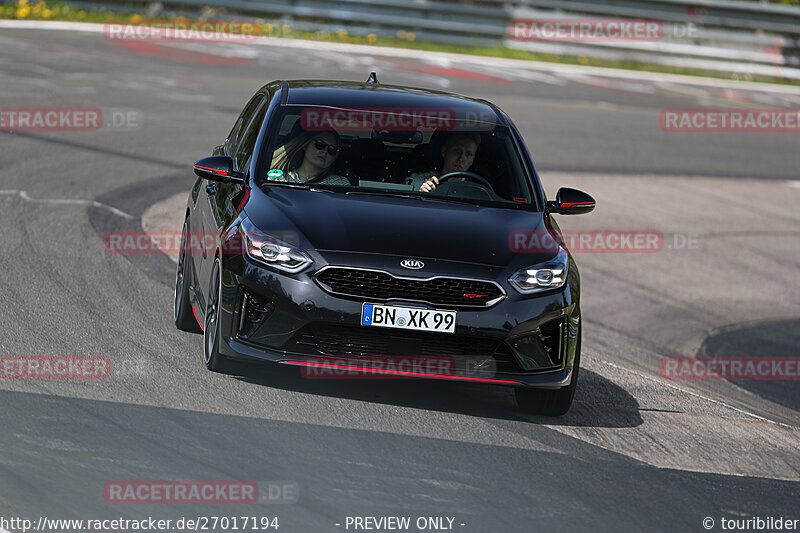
373 78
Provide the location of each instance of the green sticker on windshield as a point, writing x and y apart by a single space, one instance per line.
275 173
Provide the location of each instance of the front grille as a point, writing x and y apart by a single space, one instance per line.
374 285
357 341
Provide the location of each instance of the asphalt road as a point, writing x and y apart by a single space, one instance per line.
636 452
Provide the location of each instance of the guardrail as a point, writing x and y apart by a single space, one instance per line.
724 35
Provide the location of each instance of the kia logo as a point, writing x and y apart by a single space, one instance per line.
412 263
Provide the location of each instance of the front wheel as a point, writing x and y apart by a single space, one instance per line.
550 402
214 360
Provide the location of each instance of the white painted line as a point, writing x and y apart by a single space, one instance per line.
25 197
90 27
712 400
793 184
440 57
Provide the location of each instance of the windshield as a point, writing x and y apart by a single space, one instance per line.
428 153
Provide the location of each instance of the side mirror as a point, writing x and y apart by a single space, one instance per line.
571 202
218 168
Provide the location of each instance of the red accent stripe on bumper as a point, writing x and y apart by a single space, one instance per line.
400 372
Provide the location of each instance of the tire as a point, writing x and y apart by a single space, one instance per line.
214 360
550 402
182 308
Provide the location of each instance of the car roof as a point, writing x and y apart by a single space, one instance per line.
360 95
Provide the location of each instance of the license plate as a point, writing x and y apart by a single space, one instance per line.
390 316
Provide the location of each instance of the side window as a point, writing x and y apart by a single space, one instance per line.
244 118
248 139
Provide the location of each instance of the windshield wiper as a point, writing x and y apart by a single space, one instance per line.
295 186
391 194
429 197
385 193
453 200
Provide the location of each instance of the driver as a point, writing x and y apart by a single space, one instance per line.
458 154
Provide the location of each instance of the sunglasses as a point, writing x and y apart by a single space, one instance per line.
319 144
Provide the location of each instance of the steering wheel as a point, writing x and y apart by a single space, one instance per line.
477 177
481 189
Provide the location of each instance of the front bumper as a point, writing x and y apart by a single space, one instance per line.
289 319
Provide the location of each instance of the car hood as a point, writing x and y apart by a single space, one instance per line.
377 224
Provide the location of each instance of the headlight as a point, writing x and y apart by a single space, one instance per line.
551 274
270 251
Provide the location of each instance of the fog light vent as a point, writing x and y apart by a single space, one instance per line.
550 334
253 311
540 349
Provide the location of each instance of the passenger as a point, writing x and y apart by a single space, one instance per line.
458 154
308 158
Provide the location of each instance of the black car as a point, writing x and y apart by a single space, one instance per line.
382 230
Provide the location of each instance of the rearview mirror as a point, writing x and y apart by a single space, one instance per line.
218 168
571 202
